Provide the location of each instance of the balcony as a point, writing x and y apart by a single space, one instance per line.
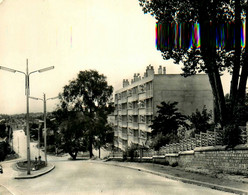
117 133
124 124
134 97
130 125
136 140
142 96
149 111
141 91
124 136
142 126
135 125
149 94
135 111
148 129
123 100
124 112
129 93
130 112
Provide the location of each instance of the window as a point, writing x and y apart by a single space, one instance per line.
135 90
135 119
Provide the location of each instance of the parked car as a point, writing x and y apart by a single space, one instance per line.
1 169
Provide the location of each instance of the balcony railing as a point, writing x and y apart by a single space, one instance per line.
124 136
149 111
149 94
135 125
135 111
124 124
124 112
136 140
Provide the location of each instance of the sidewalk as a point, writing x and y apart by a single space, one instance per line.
224 182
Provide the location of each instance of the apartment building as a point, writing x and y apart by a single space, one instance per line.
136 103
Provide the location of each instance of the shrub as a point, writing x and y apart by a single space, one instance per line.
232 135
175 164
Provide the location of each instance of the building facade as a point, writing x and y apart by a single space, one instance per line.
136 103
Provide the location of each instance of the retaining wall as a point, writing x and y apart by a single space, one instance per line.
214 158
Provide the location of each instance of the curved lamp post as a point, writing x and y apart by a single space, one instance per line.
27 91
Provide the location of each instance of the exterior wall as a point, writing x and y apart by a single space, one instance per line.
191 93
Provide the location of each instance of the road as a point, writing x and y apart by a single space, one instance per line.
94 177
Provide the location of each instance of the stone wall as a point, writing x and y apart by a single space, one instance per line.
217 159
212 158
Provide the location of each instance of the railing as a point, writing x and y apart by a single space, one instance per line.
135 125
149 93
244 134
149 111
135 111
124 112
124 136
209 138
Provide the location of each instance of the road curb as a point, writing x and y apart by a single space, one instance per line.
36 174
189 181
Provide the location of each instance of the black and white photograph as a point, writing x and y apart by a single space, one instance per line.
119 97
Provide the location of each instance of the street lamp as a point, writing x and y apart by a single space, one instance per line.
45 133
27 90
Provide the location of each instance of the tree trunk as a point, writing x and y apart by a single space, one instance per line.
236 68
208 50
220 95
90 146
73 154
244 73
99 151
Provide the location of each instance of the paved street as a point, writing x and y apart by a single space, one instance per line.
88 177
92 177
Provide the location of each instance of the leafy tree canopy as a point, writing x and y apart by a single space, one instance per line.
168 120
89 94
201 121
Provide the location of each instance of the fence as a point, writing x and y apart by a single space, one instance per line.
210 138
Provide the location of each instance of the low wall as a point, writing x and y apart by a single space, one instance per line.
214 158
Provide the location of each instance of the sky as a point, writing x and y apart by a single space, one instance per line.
113 37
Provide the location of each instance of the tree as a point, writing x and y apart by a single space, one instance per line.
73 132
209 57
89 94
166 124
104 132
3 132
201 121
